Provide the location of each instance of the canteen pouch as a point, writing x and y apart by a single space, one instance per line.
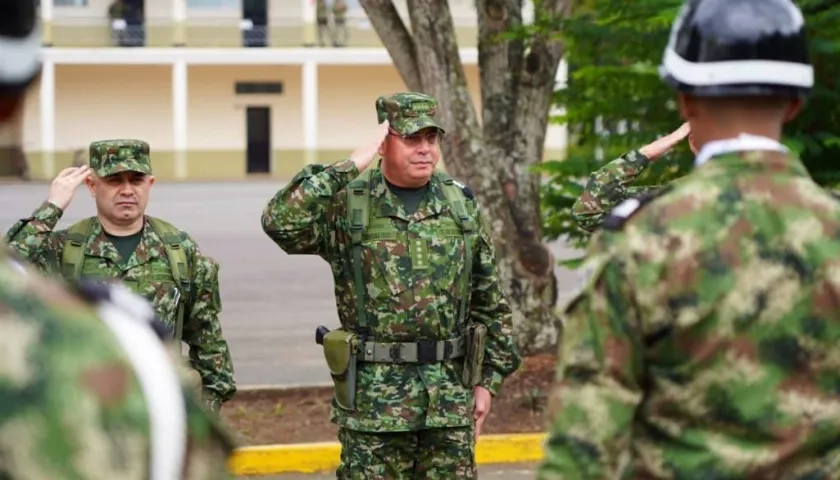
340 354
476 336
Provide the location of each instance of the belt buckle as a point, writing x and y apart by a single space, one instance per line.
427 351
395 352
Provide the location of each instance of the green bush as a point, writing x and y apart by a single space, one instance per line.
614 48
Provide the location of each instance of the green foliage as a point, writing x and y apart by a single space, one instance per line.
614 48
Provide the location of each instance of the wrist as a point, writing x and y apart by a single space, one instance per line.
55 203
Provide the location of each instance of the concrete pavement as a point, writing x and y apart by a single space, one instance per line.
272 302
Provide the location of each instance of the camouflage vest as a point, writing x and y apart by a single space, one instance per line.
73 260
358 209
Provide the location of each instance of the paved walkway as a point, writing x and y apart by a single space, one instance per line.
272 301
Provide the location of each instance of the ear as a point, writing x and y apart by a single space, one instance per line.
383 147
151 180
687 107
91 186
793 108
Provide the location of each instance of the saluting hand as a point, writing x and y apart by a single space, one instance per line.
363 155
663 145
63 188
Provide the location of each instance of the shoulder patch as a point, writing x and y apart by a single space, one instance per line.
467 191
625 210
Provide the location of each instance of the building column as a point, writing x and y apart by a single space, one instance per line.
179 20
310 31
47 93
557 135
179 117
309 89
46 22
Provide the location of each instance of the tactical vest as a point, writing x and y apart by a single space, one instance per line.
358 210
73 257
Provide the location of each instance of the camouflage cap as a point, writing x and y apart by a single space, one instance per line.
407 112
108 157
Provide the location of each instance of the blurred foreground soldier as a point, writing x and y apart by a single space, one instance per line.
153 258
704 343
425 337
87 389
611 184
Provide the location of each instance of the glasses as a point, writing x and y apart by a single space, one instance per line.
415 139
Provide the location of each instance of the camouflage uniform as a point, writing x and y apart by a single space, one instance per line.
147 272
73 401
339 23
703 344
607 187
716 305
410 418
323 19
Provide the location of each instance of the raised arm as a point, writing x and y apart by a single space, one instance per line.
300 216
33 237
611 184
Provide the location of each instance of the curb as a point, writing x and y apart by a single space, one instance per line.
280 388
324 456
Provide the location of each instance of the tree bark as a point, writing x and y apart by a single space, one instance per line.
493 156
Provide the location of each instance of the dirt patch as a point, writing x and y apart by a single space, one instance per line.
303 414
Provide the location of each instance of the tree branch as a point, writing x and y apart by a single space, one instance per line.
389 26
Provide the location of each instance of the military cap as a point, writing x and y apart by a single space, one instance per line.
108 157
408 112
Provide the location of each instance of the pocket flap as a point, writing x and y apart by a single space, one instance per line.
339 347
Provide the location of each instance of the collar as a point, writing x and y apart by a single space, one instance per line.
743 142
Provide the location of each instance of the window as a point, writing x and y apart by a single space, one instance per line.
213 4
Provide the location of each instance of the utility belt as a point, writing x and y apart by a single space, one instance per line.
344 350
422 351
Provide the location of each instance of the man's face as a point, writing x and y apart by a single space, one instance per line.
410 160
121 197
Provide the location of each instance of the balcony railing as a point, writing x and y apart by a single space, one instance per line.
215 32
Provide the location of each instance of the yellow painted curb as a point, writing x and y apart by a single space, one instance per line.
316 457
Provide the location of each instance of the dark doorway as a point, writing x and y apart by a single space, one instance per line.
258 125
257 12
134 14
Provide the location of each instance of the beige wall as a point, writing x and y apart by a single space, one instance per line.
112 101
99 102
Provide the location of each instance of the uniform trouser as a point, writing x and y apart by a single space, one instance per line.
439 453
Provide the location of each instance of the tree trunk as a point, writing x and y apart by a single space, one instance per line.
492 156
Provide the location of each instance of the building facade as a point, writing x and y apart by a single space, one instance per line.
221 89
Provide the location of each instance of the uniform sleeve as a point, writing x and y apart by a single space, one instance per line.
34 238
599 378
299 218
607 187
208 351
489 306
